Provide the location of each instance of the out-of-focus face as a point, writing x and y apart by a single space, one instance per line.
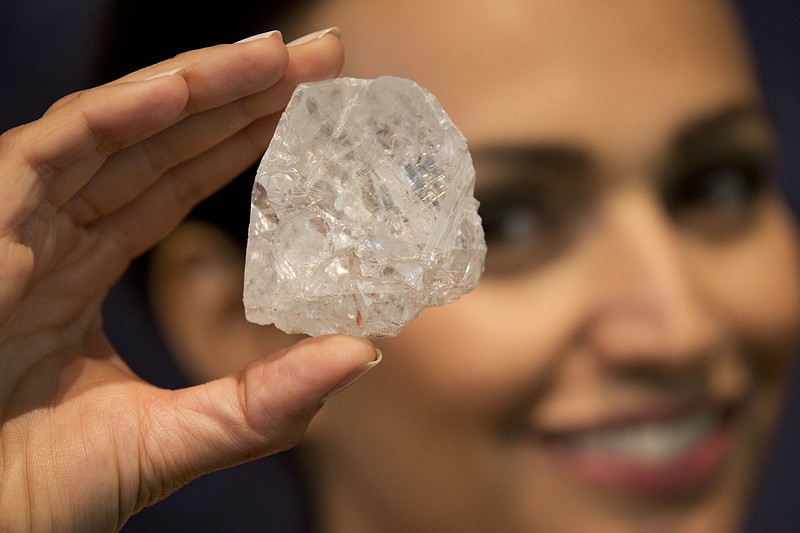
619 366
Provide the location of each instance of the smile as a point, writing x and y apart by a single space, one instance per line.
652 457
649 443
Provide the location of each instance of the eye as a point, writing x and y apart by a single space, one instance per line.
718 187
505 225
719 199
522 233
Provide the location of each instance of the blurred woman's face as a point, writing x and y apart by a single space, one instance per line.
619 366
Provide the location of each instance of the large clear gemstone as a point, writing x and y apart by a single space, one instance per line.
363 211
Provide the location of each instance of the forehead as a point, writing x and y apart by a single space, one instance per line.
521 70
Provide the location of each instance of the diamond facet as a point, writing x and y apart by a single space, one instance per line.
362 211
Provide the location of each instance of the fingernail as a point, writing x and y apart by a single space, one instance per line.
179 70
265 35
333 30
353 377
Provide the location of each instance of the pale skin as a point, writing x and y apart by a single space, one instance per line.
100 178
637 307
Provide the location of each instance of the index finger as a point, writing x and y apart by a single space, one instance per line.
223 73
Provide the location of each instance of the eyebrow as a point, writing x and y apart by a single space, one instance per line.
746 128
529 166
568 167
737 134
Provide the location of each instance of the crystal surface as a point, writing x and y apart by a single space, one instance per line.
363 211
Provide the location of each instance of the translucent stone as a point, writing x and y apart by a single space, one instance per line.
363 211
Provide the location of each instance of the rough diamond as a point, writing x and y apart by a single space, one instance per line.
363 211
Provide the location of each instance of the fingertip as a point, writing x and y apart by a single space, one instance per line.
337 357
355 374
336 345
264 35
334 31
316 59
297 380
354 357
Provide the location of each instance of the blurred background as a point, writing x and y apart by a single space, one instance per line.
49 48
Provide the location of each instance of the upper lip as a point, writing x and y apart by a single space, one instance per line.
652 413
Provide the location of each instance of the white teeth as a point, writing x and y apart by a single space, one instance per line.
651 442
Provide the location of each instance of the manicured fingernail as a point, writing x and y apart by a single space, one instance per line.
179 70
265 35
333 30
353 377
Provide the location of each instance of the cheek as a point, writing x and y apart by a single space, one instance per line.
756 282
493 347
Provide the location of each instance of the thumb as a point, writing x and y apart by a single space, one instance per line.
259 411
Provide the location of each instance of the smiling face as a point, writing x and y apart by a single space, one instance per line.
619 366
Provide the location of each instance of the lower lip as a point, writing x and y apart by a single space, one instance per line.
679 476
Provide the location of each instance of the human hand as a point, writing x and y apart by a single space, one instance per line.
97 180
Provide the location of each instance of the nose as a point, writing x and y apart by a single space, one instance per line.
648 306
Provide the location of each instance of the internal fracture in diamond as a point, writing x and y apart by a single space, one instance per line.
363 211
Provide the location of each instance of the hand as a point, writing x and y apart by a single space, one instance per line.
98 179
